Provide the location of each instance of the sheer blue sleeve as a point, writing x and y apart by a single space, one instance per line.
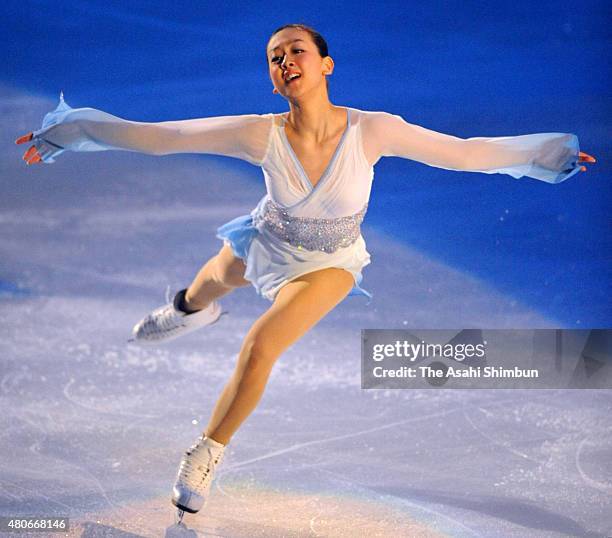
549 157
88 129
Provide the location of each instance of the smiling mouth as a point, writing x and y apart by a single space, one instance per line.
292 78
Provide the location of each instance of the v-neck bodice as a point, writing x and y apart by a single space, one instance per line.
344 186
302 171
296 227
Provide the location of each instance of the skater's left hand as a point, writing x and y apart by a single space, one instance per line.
585 158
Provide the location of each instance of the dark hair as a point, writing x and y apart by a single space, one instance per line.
318 39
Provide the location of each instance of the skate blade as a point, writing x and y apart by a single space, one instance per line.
183 509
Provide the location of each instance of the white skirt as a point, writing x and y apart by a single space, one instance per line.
271 262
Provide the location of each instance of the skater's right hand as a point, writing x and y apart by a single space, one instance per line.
31 156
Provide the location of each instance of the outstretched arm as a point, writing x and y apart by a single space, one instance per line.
88 129
550 157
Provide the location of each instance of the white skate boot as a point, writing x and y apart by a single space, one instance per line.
195 475
168 322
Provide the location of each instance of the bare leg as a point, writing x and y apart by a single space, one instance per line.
220 275
299 305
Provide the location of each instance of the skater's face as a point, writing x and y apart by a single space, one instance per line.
293 51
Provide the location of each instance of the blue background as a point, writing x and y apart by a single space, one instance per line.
463 68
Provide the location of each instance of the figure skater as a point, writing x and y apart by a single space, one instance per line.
301 247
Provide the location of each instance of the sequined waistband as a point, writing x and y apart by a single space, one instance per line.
308 233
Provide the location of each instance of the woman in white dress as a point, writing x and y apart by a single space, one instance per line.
301 247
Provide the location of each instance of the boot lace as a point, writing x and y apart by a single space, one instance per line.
197 468
164 321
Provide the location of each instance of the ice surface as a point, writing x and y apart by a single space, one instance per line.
93 427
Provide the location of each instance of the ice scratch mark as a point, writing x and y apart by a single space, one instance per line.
312 525
298 446
596 484
70 464
73 400
37 493
500 444
98 484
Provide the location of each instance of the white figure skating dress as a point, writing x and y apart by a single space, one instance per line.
297 228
